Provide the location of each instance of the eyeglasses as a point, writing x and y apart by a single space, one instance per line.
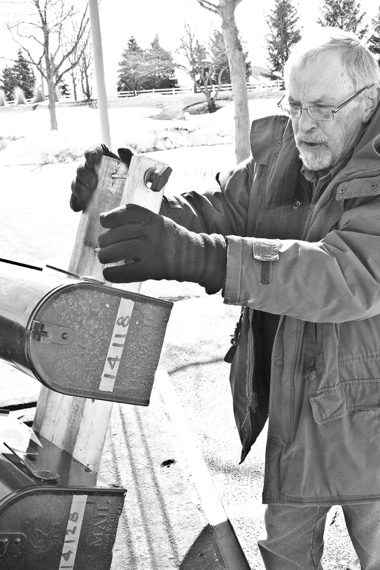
316 112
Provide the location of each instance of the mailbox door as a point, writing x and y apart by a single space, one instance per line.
98 342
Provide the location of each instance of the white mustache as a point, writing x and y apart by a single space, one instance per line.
310 140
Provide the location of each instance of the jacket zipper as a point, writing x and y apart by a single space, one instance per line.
314 207
250 367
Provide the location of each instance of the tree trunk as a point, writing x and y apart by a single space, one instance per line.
52 99
209 98
210 103
42 85
238 79
207 89
74 83
86 88
50 84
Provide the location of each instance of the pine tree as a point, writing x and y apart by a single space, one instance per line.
8 82
18 75
284 33
146 69
162 74
131 68
343 14
25 75
374 40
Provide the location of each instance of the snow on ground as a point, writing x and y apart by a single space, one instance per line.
79 127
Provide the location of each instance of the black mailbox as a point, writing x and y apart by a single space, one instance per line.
63 517
81 337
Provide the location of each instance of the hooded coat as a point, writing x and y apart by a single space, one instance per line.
304 264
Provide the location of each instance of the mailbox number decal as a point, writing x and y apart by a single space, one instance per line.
74 526
115 350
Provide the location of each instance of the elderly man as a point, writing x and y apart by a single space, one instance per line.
292 235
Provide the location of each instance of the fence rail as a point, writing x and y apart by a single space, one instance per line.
277 84
267 85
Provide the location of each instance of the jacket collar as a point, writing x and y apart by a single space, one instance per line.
270 134
365 160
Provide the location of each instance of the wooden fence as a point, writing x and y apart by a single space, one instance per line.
277 84
265 86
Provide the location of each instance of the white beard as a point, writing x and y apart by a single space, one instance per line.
316 160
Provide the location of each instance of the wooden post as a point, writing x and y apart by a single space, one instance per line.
79 425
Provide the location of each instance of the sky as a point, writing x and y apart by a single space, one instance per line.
167 19
143 19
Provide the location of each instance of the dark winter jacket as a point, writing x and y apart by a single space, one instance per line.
311 261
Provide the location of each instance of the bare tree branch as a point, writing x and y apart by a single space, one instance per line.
209 6
41 35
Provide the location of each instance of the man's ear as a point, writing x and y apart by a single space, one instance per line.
371 99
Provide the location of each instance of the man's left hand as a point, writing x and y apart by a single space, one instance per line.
154 247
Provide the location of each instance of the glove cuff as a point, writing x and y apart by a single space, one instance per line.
213 268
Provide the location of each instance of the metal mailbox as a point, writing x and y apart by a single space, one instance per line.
81 337
67 523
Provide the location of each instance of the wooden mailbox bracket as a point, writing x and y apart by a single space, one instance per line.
78 425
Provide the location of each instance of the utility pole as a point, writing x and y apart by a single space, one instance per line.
99 71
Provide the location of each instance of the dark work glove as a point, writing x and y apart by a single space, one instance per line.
154 247
86 180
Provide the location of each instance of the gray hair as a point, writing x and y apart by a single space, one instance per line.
358 62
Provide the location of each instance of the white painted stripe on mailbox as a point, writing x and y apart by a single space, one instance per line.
115 350
74 527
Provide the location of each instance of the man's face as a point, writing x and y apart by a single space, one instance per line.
322 144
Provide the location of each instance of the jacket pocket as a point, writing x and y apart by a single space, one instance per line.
333 403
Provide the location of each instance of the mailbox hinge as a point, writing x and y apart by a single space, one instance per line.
45 332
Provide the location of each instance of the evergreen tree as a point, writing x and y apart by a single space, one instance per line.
25 75
18 75
374 40
284 34
343 14
162 68
8 82
146 69
131 68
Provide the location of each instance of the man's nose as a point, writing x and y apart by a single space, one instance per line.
305 122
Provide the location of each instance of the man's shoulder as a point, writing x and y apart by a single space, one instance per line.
266 133
270 121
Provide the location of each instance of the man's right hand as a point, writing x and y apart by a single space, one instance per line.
86 179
